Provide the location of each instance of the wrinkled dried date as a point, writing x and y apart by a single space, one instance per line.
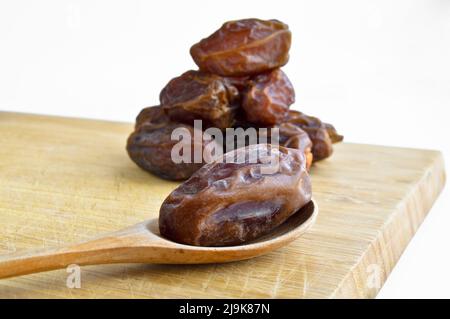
334 135
289 135
226 203
314 122
268 97
150 147
318 132
198 95
322 144
152 116
244 47
294 137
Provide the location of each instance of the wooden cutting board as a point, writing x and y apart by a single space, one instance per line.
65 180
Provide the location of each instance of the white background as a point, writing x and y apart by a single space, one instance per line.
378 70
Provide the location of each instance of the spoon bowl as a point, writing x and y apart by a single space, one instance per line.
142 243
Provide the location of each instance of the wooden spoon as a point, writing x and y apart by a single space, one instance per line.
142 243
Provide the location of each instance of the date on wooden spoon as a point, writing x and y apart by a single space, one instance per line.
213 236
142 243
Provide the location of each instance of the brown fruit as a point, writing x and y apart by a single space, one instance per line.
294 137
228 203
289 135
197 95
244 47
318 132
153 116
268 97
150 145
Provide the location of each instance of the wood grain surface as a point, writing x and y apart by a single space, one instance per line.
67 180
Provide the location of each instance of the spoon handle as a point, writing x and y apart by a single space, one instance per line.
129 246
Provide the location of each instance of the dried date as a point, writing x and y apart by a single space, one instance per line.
292 136
289 135
244 47
322 144
198 95
320 133
332 132
152 116
268 97
228 202
311 121
150 147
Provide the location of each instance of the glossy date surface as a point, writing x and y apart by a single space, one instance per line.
267 98
244 47
229 203
322 135
198 95
289 135
152 116
151 150
150 145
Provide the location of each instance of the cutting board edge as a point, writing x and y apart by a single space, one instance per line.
384 251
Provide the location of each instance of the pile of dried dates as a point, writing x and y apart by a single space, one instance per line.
239 84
